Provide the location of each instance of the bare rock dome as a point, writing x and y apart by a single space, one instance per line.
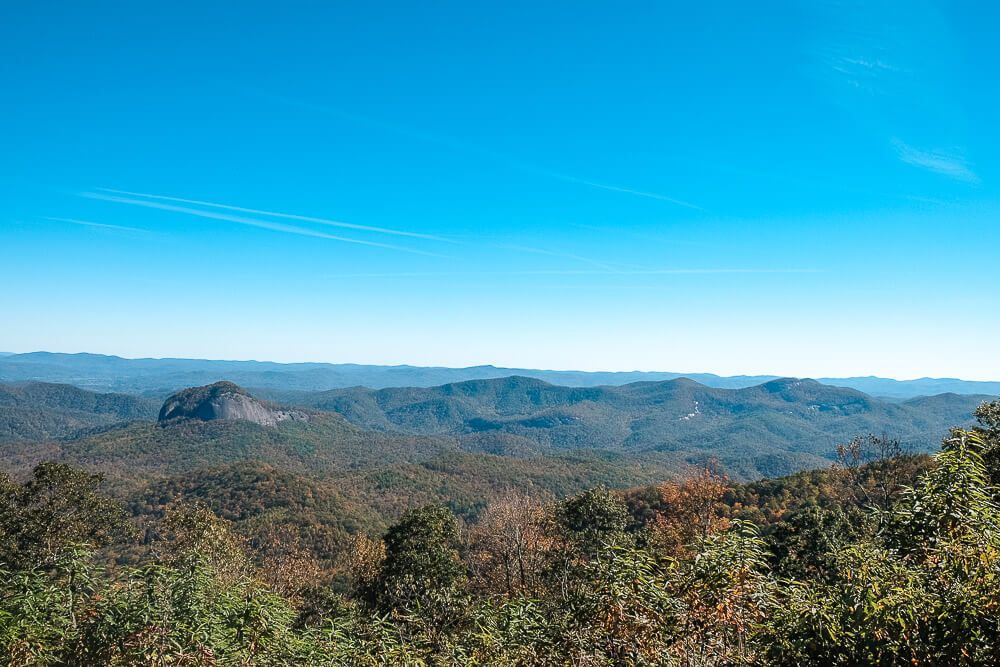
223 400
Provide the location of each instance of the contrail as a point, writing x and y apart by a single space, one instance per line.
649 272
465 147
276 214
99 225
616 188
252 222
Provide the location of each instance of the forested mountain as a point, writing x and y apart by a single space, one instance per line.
164 376
262 464
766 430
323 444
600 434
387 470
40 411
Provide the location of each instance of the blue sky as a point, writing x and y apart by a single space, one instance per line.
798 188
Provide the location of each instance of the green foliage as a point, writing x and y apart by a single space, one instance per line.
422 577
988 416
952 501
57 508
355 638
40 610
188 614
728 595
617 609
923 592
804 545
515 631
592 519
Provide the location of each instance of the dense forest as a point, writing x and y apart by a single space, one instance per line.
887 558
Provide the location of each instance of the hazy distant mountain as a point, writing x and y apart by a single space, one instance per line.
164 376
904 389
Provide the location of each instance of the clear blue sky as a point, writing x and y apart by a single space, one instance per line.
794 188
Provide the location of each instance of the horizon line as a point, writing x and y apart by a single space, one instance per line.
772 376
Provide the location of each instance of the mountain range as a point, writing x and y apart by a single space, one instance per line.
160 377
333 462
770 429
221 445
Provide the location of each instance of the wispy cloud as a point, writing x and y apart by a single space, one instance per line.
100 225
277 214
251 222
867 74
884 74
870 64
948 164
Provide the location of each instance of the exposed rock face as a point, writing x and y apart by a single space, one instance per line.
224 400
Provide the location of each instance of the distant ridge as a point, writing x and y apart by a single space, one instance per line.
164 376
